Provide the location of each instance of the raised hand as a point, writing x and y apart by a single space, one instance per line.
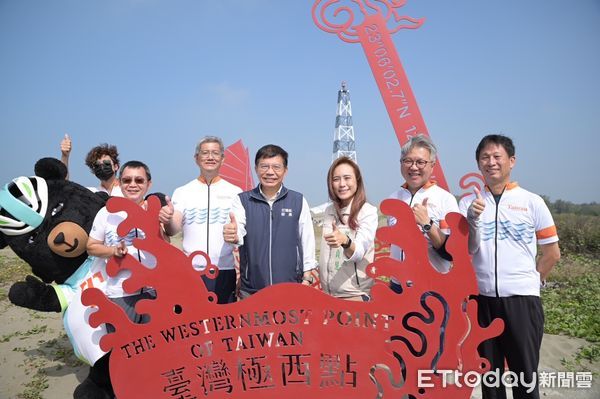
65 146
421 213
478 205
336 238
230 230
166 212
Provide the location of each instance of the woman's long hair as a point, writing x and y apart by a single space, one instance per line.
360 197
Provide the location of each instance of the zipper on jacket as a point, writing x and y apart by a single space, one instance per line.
270 243
208 221
497 202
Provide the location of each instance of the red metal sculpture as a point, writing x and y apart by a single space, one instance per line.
290 339
371 23
470 181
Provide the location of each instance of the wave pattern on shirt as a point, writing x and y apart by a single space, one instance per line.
508 230
113 238
199 215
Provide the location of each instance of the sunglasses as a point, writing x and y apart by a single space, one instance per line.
128 179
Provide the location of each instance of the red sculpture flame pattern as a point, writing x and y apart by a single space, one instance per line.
348 29
374 35
470 181
289 339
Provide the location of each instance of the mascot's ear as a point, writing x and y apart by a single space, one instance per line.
161 197
50 169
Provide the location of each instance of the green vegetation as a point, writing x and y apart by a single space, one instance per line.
586 355
61 350
24 334
571 304
579 234
38 383
13 269
35 387
571 299
559 206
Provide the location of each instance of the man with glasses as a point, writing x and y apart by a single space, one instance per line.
199 210
273 227
429 202
105 242
506 225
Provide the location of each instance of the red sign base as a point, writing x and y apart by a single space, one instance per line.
289 339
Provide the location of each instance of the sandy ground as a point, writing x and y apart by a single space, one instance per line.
37 360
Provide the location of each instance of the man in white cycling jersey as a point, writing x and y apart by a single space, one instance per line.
199 209
507 224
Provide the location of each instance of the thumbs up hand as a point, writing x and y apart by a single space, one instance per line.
65 145
478 205
336 238
230 234
166 212
421 213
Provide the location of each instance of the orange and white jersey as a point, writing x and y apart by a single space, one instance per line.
439 203
509 233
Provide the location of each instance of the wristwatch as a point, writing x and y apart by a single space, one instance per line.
427 227
347 245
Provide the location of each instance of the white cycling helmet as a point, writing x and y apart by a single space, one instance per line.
23 204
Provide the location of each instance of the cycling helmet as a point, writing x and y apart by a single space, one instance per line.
23 204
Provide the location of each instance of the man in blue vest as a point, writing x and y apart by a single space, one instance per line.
273 227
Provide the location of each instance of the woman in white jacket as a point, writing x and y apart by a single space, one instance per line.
349 226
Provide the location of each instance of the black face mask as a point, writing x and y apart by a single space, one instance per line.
104 170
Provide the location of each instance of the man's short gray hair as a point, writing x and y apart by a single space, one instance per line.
210 139
419 141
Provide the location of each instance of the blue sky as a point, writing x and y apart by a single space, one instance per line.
154 76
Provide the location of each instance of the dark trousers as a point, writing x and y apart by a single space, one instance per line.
519 343
223 286
128 305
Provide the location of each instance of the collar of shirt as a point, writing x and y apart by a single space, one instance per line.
270 200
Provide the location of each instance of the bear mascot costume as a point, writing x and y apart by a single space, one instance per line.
45 219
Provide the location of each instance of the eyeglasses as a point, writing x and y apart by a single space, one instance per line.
421 163
207 154
277 167
128 179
